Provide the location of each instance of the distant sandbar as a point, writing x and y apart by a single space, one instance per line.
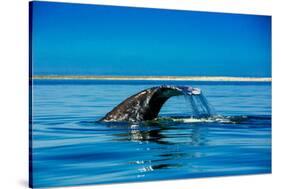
153 78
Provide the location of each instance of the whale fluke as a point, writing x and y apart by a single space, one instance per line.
146 104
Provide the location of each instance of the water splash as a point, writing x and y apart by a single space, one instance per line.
199 104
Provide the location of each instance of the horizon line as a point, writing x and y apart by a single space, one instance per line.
152 78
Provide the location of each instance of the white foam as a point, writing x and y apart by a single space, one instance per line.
220 119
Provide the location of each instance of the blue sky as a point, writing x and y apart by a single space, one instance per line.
77 39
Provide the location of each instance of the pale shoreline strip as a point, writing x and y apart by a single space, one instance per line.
152 78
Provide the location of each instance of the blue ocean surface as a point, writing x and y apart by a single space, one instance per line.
70 147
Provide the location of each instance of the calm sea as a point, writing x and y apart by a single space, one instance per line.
70 148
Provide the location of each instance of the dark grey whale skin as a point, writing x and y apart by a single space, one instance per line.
144 105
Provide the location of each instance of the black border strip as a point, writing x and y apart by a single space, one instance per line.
30 19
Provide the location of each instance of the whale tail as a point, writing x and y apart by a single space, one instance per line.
147 104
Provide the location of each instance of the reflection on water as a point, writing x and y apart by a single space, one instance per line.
71 148
163 136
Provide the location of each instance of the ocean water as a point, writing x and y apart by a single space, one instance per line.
69 147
